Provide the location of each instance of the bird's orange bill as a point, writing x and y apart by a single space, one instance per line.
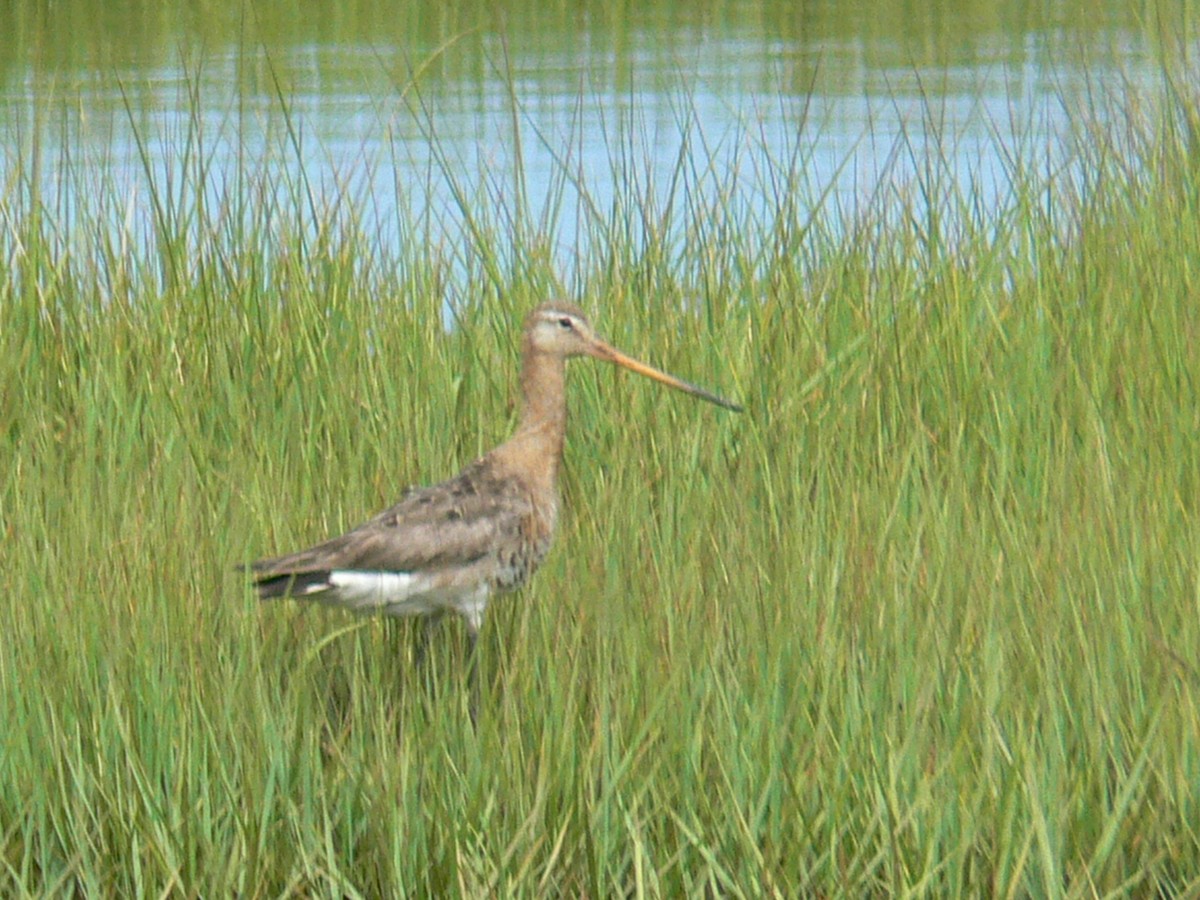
602 350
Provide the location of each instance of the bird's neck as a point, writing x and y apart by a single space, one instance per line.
544 400
533 454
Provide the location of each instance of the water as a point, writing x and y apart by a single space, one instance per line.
555 119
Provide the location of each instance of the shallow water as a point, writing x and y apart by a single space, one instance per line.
422 120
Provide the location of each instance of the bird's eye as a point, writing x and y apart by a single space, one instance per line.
565 322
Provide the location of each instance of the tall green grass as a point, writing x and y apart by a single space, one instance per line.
924 620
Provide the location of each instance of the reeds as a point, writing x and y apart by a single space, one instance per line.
923 620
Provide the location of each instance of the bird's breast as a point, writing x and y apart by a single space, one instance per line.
521 557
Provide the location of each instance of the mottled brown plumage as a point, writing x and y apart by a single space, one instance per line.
452 545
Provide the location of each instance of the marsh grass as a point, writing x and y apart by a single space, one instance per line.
923 620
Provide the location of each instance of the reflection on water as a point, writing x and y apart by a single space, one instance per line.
423 118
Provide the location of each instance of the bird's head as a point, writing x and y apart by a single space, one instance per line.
561 329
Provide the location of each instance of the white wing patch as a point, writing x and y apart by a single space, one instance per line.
401 594
366 590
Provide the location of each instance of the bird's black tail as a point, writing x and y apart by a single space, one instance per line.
290 584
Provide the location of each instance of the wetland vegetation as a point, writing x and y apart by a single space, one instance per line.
925 620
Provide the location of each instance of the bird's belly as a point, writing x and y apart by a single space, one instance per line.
400 593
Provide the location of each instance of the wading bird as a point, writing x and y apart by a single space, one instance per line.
449 547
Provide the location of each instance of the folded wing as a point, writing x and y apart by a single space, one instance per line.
441 529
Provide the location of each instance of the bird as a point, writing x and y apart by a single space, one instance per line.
450 547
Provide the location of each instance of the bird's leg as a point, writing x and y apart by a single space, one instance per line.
473 673
471 609
428 627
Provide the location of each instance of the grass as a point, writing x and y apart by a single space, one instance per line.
924 620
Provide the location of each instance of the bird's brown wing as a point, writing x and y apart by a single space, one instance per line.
449 524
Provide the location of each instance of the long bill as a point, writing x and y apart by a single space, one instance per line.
601 350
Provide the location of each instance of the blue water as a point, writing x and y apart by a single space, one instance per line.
710 122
